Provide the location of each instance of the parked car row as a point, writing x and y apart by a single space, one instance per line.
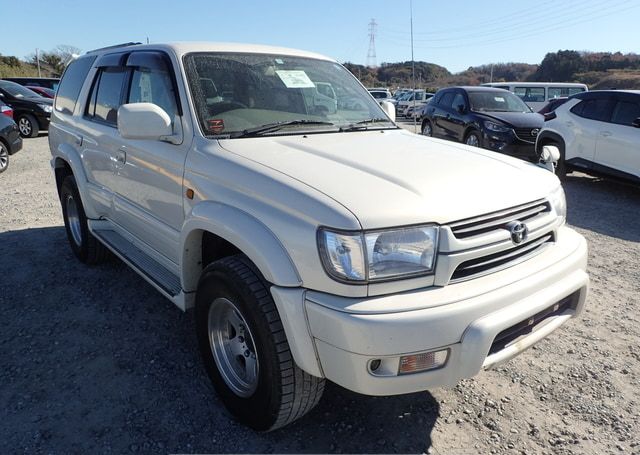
31 111
10 139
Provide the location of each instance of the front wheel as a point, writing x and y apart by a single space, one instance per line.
245 349
4 157
473 139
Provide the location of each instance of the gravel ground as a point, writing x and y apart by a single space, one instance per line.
94 360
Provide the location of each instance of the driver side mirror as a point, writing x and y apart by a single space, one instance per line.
636 123
550 153
389 109
143 121
461 109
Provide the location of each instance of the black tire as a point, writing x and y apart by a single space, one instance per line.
427 129
28 125
282 392
4 157
469 139
84 245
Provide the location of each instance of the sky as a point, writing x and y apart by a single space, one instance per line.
453 34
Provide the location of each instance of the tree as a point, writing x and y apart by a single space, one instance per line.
57 58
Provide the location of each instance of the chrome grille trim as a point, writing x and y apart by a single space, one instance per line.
484 224
524 134
501 260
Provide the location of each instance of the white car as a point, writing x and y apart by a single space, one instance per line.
311 245
597 132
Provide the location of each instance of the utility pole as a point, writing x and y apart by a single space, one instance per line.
491 76
371 54
413 67
38 62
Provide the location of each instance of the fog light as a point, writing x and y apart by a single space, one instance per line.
421 362
375 364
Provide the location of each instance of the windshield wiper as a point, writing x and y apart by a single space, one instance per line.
271 127
362 124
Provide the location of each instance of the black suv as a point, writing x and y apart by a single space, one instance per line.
30 110
491 118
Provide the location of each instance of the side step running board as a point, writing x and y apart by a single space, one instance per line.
150 268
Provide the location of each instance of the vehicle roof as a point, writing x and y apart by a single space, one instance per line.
537 84
182 48
475 88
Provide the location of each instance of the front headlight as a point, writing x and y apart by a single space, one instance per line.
559 203
496 127
45 107
379 255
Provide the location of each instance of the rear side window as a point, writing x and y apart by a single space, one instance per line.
446 99
71 84
594 109
625 112
106 95
530 94
557 92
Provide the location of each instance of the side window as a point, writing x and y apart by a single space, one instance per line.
446 100
106 95
458 100
625 112
594 109
533 94
153 86
71 84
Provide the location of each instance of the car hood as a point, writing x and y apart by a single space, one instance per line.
516 119
393 177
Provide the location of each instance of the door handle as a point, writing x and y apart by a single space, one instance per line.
606 133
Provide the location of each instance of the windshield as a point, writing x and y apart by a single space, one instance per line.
502 101
246 94
17 90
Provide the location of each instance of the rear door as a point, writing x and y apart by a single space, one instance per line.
618 141
586 120
441 114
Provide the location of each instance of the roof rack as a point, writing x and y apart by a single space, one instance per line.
113 47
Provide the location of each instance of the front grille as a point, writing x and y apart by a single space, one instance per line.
507 336
527 134
500 260
497 220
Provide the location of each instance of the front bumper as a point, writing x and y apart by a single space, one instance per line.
15 141
465 318
509 144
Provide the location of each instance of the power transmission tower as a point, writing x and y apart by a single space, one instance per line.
371 54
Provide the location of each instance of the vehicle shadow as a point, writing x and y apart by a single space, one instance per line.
94 359
594 204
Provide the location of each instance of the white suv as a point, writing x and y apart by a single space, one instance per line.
311 243
597 132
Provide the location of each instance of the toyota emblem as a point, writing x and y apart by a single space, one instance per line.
519 231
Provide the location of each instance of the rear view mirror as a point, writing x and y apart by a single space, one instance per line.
636 123
389 109
143 121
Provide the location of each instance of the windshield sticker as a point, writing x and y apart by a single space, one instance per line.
499 99
295 79
215 125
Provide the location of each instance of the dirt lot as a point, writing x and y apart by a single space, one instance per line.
94 360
